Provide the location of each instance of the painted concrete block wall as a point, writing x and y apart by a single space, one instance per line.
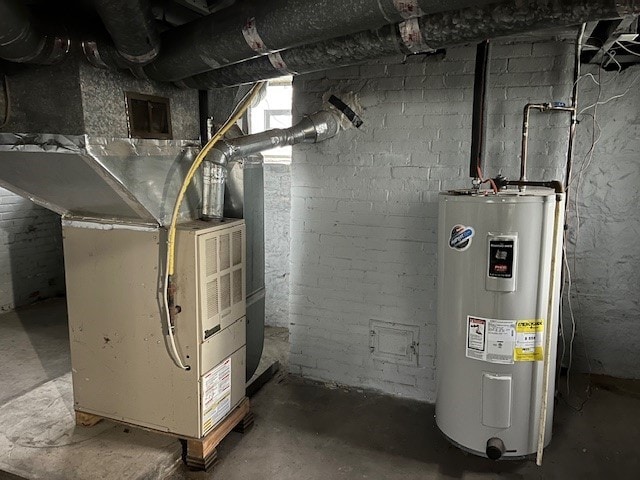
277 216
604 227
364 204
31 266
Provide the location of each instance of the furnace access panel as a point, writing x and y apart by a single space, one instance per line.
122 368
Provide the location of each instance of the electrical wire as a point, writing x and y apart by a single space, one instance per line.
170 259
627 50
578 178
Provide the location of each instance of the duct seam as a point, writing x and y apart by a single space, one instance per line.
408 8
412 36
252 37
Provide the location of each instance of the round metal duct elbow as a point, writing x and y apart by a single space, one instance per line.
322 125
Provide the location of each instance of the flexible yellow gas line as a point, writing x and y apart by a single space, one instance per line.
242 108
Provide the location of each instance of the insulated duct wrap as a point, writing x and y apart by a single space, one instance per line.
132 27
21 41
255 28
436 31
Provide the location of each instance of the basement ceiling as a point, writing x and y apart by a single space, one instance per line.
612 44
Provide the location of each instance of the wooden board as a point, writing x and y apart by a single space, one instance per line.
199 453
202 453
87 419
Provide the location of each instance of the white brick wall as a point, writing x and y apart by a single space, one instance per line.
604 254
277 211
363 210
31 262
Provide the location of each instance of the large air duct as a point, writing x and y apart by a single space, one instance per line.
132 27
312 129
347 50
257 27
23 42
417 35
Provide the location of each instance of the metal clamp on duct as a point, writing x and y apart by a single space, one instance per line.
315 128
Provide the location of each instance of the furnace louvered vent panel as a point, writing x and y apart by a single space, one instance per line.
212 298
224 252
225 291
221 276
237 286
236 247
211 255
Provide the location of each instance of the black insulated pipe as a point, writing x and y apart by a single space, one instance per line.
362 46
436 31
132 28
22 41
479 124
256 27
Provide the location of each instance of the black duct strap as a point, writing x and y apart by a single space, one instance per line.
346 111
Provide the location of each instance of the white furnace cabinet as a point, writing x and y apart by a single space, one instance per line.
494 271
120 357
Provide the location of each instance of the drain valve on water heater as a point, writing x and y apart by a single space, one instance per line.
495 448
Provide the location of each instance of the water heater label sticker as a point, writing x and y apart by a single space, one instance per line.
476 337
461 237
216 394
491 340
529 340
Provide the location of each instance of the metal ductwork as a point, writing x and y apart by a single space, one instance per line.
122 180
132 27
423 34
22 41
347 50
312 129
257 27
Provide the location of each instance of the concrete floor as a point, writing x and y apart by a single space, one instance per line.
303 430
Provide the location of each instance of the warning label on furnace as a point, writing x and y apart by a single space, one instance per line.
491 340
529 340
216 394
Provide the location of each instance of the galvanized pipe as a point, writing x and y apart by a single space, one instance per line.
433 31
315 128
23 42
132 28
256 27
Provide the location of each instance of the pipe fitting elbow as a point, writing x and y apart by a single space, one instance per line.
323 125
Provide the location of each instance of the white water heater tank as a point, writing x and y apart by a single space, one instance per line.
494 271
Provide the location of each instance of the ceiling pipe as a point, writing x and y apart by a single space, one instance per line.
255 28
427 33
341 51
132 28
22 41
